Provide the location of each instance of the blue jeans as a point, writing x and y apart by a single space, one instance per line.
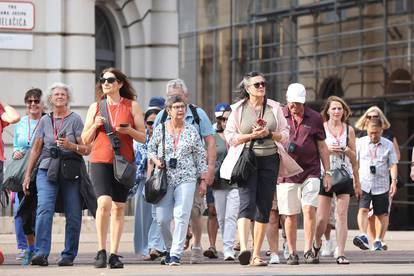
47 193
155 240
18 225
143 220
176 203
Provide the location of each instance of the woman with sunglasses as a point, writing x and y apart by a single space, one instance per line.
374 112
255 119
147 238
24 132
127 123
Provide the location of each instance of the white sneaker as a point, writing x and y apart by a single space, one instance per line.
196 256
336 252
327 248
274 259
285 250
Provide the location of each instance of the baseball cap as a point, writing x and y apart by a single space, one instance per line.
221 108
156 103
296 93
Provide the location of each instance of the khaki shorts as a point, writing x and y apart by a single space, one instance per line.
292 196
198 205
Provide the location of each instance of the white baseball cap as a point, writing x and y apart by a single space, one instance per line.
296 93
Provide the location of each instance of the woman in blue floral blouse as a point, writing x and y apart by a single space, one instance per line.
185 159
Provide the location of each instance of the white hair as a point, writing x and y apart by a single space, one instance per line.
176 83
60 85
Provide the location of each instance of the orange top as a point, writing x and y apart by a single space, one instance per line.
102 151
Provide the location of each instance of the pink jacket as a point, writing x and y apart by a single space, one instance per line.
288 166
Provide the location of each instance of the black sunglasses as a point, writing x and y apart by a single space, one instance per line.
258 84
150 123
109 80
372 117
33 101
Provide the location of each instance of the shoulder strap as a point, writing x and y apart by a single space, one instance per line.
164 116
108 129
163 141
193 110
347 134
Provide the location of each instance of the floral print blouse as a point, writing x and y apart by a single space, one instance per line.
190 154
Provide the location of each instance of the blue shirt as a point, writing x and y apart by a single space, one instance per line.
141 159
22 131
204 129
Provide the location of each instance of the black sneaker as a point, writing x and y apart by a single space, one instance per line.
166 260
310 257
100 259
114 261
40 260
293 259
65 262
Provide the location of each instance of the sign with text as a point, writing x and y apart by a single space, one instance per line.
16 15
16 41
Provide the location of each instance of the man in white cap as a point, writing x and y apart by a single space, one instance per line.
307 146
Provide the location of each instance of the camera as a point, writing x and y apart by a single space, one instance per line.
292 147
54 151
172 163
372 169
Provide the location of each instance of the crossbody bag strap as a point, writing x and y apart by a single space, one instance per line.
108 129
346 142
163 141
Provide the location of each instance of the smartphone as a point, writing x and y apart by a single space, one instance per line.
124 125
62 135
261 122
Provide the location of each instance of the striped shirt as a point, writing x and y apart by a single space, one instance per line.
381 155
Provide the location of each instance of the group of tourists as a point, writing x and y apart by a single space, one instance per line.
257 167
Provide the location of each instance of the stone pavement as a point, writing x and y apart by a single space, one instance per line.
398 260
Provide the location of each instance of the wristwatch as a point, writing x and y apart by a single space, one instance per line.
328 173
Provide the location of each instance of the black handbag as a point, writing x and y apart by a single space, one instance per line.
124 171
70 166
14 174
156 185
245 166
340 176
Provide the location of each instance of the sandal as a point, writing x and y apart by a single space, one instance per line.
316 250
257 261
187 241
342 260
244 257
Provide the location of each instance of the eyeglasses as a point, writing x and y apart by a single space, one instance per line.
223 119
372 117
176 107
258 84
32 102
150 123
109 80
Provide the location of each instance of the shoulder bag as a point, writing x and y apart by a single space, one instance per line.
340 176
124 172
14 174
156 185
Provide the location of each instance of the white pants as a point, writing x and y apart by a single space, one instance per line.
227 207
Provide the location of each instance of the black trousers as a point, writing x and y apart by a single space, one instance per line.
257 193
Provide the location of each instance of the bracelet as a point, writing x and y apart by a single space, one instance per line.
77 147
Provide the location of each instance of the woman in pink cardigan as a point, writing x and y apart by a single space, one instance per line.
255 119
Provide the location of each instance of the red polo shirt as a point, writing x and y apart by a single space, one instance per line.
305 136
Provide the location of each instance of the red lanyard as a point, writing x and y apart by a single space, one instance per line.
29 133
296 127
113 121
176 140
372 154
57 130
337 137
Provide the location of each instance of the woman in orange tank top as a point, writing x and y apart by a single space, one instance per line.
125 118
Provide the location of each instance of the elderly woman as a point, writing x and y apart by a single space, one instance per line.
255 119
374 112
185 159
23 138
340 139
126 121
58 135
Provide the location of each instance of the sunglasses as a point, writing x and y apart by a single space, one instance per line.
33 101
258 84
372 117
109 80
150 123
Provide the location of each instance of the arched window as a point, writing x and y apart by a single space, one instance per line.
104 42
331 86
